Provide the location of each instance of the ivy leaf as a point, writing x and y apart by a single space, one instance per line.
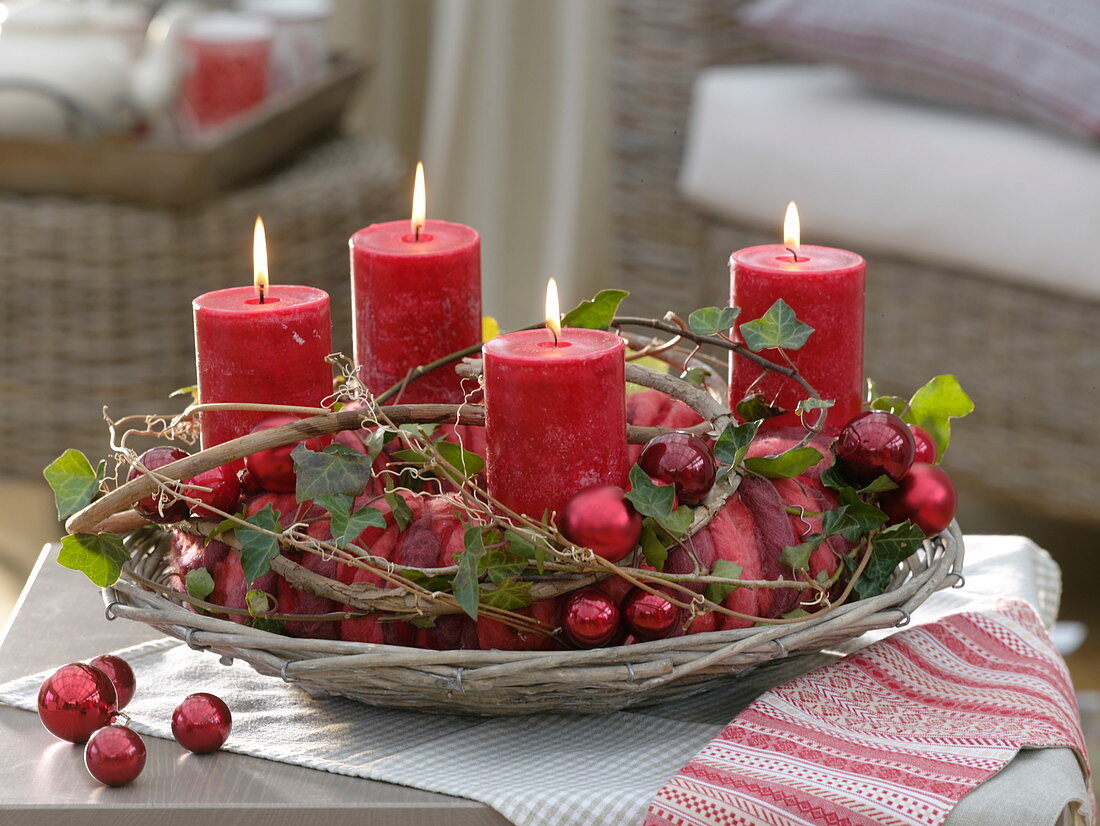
508 594
653 549
200 584
596 314
733 442
754 407
335 470
258 602
258 549
779 328
467 463
191 390
695 375
717 591
798 556
265 624
836 520
432 583
99 556
500 563
649 498
806 405
890 547
74 481
345 525
711 320
678 523
860 517
879 485
466 589
402 513
223 527
786 465
797 613
890 404
520 544
935 405
831 477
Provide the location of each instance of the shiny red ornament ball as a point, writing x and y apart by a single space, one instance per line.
201 723
602 519
120 674
115 755
872 444
274 469
649 616
925 496
224 492
684 460
925 447
76 700
590 618
159 506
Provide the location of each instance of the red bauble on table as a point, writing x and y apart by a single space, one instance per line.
925 447
120 674
115 755
602 519
590 618
273 469
925 496
76 700
224 492
201 723
873 444
649 616
158 506
683 460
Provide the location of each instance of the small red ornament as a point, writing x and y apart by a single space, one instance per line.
925 496
76 700
201 723
590 618
925 447
120 674
602 519
249 483
115 755
224 493
649 616
159 506
684 460
274 469
872 444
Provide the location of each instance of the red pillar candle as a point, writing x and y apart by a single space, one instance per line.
265 352
825 288
416 293
555 416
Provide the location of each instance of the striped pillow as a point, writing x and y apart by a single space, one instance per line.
1035 59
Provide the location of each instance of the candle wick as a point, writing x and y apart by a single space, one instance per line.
554 333
263 293
417 233
794 255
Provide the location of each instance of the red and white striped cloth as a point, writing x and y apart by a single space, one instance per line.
895 734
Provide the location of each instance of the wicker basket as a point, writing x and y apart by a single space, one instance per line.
528 682
97 295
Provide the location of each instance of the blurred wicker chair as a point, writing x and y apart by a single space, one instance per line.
1027 356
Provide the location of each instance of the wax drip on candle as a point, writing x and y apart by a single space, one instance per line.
420 202
259 259
553 313
792 231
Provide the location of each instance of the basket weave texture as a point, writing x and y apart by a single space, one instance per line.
528 682
97 295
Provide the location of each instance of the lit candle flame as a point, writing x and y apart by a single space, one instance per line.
792 231
553 311
259 259
420 202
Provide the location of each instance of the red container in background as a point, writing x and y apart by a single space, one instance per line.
226 66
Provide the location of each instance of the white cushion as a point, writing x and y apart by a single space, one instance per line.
875 173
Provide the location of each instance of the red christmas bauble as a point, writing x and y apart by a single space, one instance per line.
274 469
159 506
115 755
925 447
684 460
224 493
602 519
649 616
201 723
590 618
120 674
925 496
874 443
76 700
